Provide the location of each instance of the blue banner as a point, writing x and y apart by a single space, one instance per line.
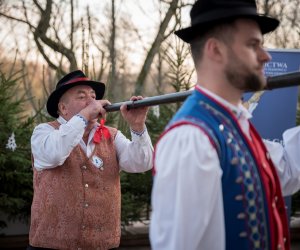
276 109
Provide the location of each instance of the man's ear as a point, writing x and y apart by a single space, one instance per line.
215 49
62 110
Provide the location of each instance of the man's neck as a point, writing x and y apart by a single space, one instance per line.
220 87
87 131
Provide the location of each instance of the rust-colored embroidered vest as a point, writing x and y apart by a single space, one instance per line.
77 205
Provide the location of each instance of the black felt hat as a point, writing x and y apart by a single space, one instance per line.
71 80
206 13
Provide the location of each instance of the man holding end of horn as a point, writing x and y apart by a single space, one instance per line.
76 163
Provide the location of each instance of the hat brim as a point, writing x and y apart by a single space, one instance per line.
53 100
266 24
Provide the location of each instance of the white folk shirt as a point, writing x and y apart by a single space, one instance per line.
187 197
51 147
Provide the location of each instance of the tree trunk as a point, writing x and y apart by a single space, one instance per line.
155 48
113 75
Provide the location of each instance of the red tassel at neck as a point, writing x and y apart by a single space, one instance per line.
101 131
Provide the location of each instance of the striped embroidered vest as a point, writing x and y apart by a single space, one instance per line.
254 210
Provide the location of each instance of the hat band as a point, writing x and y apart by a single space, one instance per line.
221 13
77 80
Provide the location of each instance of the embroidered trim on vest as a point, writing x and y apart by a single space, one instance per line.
252 193
245 209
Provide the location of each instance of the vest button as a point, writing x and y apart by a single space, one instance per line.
239 180
84 167
234 161
221 127
241 216
243 234
83 226
279 247
86 185
86 205
239 197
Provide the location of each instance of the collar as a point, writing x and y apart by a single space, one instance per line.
239 110
61 120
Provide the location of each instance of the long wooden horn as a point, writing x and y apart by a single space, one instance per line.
273 82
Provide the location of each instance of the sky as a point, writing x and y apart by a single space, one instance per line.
142 13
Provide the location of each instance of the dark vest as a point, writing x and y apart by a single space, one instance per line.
255 216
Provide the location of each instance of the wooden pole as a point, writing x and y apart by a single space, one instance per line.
273 82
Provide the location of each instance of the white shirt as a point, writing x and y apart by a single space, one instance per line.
51 147
187 197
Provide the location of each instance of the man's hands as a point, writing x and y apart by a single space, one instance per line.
94 110
135 117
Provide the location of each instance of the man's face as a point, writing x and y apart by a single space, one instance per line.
246 57
74 100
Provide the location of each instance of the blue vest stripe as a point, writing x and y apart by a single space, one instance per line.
245 209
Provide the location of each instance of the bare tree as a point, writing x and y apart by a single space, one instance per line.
112 49
160 37
105 41
55 36
42 29
287 35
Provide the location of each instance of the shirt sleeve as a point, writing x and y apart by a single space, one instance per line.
135 155
286 159
187 193
50 147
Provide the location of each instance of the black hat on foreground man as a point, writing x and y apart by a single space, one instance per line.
205 14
